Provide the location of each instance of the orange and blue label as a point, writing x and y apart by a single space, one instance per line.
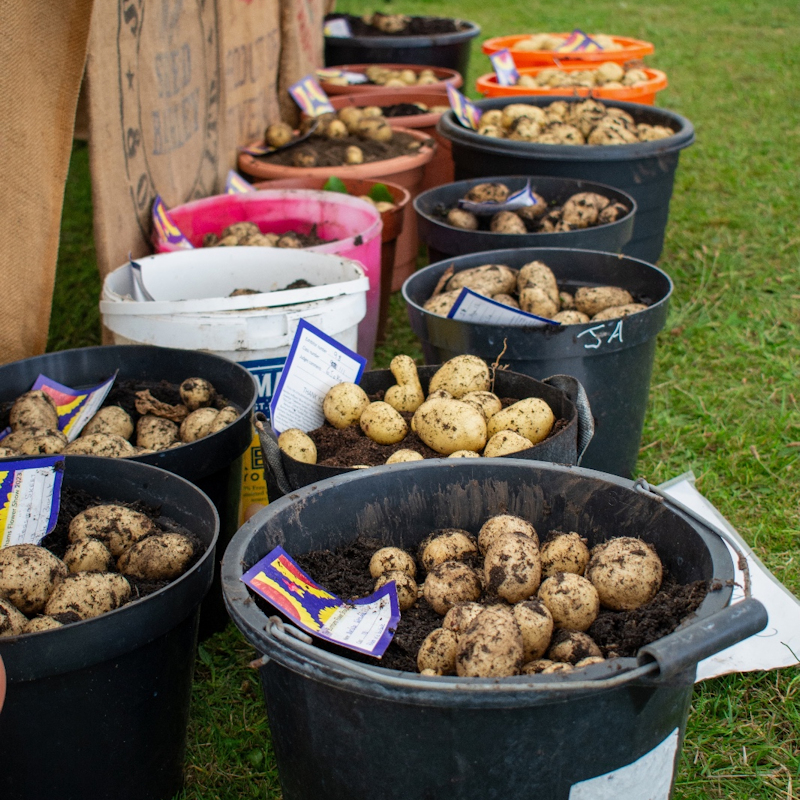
578 42
504 67
466 111
165 229
311 97
365 625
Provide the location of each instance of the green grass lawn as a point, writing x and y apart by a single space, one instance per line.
725 389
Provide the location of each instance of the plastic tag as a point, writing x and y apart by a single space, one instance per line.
333 72
578 42
310 96
466 111
140 293
521 199
74 407
473 307
30 496
339 27
315 363
504 67
257 149
236 184
165 229
366 625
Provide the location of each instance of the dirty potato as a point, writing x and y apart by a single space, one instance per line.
592 300
491 647
461 375
116 526
572 646
160 557
571 599
406 394
101 444
298 445
110 419
389 559
155 433
88 555
451 583
489 279
12 620
530 417
89 594
504 523
564 552
406 586
382 423
448 425
535 623
512 568
449 544
504 443
28 575
438 652
34 409
626 572
343 405
198 424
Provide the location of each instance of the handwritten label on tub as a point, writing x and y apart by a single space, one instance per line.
520 199
473 307
30 496
311 97
579 42
236 184
315 363
466 111
366 625
164 228
504 67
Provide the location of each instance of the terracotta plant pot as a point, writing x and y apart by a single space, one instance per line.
408 171
444 75
393 222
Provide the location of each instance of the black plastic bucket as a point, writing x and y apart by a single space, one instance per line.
211 463
565 396
445 241
350 731
99 708
450 50
613 360
645 170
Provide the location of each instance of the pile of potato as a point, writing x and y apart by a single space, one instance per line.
552 41
581 210
110 547
511 606
575 123
391 78
608 75
459 418
248 234
533 288
110 432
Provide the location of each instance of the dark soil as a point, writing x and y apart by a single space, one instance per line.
345 572
331 152
418 26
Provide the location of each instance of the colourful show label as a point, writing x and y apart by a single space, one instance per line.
30 497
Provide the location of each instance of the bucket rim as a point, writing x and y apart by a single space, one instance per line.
392 42
295 650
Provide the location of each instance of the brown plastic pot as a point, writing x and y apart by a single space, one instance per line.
408 171
444 75
440 170
393 222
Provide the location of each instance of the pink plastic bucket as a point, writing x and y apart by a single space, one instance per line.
353 225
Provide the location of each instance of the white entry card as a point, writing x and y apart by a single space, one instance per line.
315 363
473 307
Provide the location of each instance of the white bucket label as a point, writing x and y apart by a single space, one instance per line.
648 778
315 363
473 307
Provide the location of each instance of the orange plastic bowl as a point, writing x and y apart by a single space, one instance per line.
630 49
644 93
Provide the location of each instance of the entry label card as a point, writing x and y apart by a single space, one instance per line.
521 199
473 307
236 184
165 229
504 67
315 363
338 27
30 496
311 97
366 625
466 111
578 42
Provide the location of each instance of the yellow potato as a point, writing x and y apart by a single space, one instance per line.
383 424
407 394
298 445
461 375
344 404
489 279
531 418
505 442
449 425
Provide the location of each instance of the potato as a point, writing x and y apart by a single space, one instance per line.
7 452
88 555
461 218
488 193
343 405
461 375
556 667
514 111
535 623
383 424
490 279
588 661
536 667
572 646
438 652
160 557
506 300
336 129
391 559
491 647
583 209
46 444
34 409
448 544
512 568
507 222
89 594
118 527
570 316
404 456
406 586
564 552
28 575
351 116
488 402
538 274
353 155
406 394
459 617
448 425
110 419
375 129
626 572
451 583
197 424
571 599
441 304
614 312
43 623
16 439
156 433
108 445
298 445
530 417
504 443
278 134
464 454
504 523
535 300
592 300
12 620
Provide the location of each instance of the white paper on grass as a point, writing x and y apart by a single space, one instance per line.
473 307
647 778
778 645
315 363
